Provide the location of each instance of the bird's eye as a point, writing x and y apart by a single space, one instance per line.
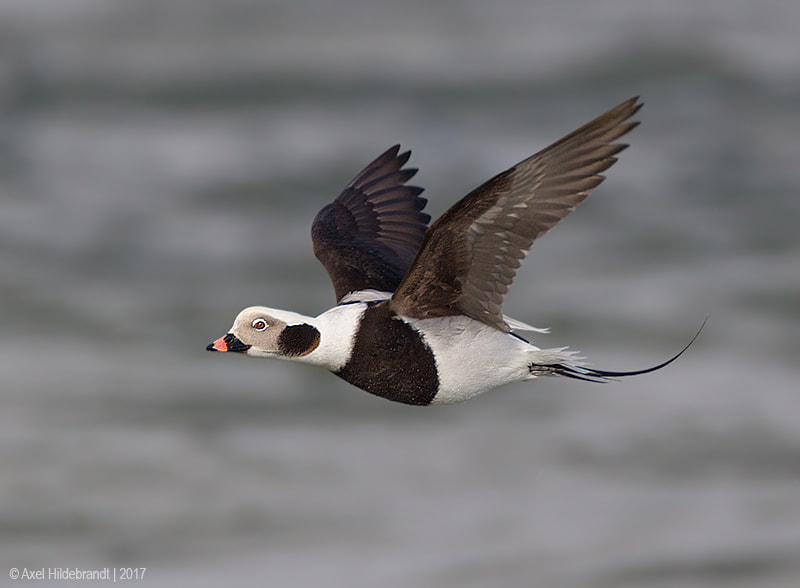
259 324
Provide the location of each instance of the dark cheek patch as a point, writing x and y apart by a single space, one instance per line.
298 340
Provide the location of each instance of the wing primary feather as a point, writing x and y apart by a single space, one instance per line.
367 238
470 255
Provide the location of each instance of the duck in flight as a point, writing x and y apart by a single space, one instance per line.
418 317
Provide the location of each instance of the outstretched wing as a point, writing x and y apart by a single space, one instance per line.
368 237
471 254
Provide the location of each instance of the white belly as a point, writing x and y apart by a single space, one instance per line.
471 357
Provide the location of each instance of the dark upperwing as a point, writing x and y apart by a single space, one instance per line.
368 237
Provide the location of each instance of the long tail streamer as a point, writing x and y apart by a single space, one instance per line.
588 374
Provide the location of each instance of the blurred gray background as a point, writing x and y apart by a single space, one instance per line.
160 165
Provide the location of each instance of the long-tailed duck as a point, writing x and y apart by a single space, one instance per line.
418 317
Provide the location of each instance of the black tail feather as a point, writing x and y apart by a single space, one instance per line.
588 374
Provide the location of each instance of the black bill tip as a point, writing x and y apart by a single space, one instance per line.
229 342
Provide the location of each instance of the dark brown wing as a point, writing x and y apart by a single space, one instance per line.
368 237
471 254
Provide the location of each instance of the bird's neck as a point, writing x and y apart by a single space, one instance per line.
337 328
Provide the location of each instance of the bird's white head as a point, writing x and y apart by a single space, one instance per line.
259 331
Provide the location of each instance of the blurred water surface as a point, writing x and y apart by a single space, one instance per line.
160 164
